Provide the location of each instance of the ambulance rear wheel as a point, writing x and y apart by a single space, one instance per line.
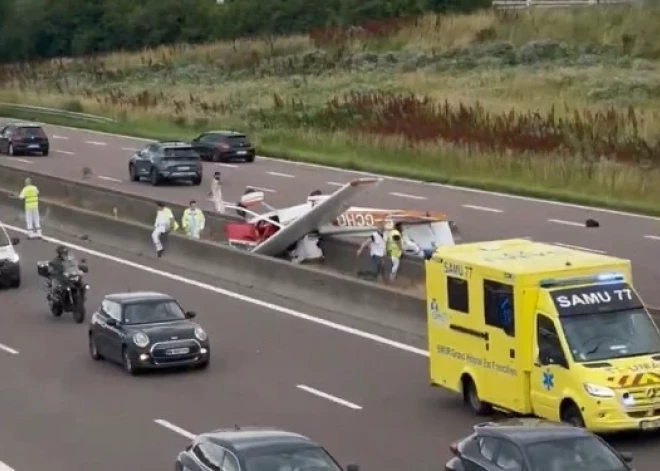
471 398
570 414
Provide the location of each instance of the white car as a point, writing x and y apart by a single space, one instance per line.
10 268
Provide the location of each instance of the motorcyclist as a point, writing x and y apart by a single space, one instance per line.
56 268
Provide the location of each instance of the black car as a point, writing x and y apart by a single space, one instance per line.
144 330
224 146
252 449
166 161
534 445
23 138
10 268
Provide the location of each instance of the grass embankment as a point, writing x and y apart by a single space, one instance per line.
557 104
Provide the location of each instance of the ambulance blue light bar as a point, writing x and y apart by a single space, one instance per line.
582 280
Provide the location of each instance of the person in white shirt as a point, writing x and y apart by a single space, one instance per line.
376 243
163 224
216 193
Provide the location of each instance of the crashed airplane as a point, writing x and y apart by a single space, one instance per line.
296 231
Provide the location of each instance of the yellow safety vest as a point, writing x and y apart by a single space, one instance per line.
167 216
198 222
30 194
392 246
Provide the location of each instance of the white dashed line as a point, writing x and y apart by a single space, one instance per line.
227 165
63 138
25 161
96 143
406 195
652 237
64 152
173 428
259 188
130 149
577 247
483 208
109 179
334 183
4 467
280 174
329 397
567 223
9 350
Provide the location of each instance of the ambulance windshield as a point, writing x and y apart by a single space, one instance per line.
611 335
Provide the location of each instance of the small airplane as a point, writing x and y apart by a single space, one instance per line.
296 231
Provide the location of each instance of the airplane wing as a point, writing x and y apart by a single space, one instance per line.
323 213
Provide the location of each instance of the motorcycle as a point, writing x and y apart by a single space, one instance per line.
71 295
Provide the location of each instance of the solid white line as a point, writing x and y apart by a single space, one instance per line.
566 223
260 188
25 161
227 165
96 143
577 247
4 467
329 397
240 297
173 428
9 350
64 138
64 152
109 179
477 191
652 237
334 183
483 208
130 149
279 174
406 195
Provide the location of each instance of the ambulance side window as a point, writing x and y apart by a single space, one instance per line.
458 298
499 306
550 351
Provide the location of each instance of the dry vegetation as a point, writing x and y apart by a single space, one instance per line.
562 102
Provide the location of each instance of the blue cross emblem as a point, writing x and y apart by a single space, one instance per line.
548 380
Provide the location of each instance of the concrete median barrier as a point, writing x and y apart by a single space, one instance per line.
333 292
340 253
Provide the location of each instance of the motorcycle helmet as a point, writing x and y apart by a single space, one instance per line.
62 251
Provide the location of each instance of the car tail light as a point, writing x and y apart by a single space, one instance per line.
454 449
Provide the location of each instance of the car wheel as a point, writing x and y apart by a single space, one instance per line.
93 350
45 153
571 415
155 179
10 149
126 361
250 159
216 157
197 181
16 282
204 365
132 173
471 397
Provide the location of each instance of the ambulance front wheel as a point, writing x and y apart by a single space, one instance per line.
570 414
471 398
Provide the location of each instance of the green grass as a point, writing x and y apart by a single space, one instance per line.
583 59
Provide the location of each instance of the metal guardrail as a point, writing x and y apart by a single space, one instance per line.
522 4
57 111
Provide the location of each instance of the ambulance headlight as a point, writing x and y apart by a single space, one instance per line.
598 391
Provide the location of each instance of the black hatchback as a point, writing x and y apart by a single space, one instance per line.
224 146
23 138
533 444
166 161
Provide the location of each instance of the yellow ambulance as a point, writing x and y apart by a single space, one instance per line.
543 330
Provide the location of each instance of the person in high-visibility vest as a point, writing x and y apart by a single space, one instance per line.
30 195
394 242
193 221
164 223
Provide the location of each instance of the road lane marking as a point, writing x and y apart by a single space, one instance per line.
173 428
4 467
280 174
108 179
260 188
96 143
329 397
652 237
64 152
566 223
577 247
9 350
64 138
406 195
227 165
334 183
476 191
25 161
130 149
483 208
239 297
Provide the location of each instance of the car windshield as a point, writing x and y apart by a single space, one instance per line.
237 140
300 459
4 237
575 454
30 131
610 335
150 312
183 153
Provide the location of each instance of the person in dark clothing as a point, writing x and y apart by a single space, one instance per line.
56 268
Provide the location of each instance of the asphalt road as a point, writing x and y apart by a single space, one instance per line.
60 410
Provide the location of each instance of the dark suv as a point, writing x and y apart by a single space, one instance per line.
224 146
166 161
23 138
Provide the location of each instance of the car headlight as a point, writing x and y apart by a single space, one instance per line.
598 391
200 334
141 339
14 258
